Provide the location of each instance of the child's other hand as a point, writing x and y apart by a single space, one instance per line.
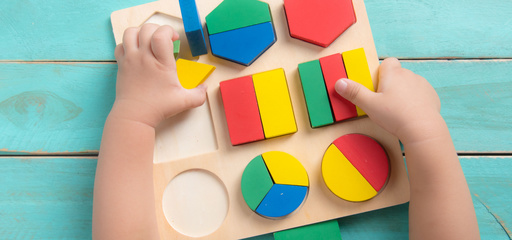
405 104
148 89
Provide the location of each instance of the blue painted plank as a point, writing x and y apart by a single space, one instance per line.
81 30
476 104
44 198
490 183
51 198
59 30
441 29
193 27
54 108
476 101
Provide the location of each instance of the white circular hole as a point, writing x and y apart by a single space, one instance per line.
195 203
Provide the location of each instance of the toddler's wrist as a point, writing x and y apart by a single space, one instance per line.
424 130
135 111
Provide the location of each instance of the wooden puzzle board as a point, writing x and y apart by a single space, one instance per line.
308 145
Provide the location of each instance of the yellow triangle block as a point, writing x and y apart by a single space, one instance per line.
285 169
191 73
343 179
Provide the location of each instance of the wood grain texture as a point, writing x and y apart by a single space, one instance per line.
57 30
54 108
476 104
46 198
441 29
51 198
51 29
476 101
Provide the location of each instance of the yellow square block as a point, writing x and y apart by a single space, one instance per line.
357 69
343 179
191 73
274 103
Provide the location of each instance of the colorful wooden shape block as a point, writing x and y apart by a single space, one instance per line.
274 103
240 30
241 108
193 27
315 93
282 200
357 70
191 73
234 14
256 182
243 45
333 69
325 230
343 179
319 21
274 184
285 169
176 48
367 156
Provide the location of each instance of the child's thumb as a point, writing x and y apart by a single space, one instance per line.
196 96
354 92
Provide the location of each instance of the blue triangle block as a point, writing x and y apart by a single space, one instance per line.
282 200
243 45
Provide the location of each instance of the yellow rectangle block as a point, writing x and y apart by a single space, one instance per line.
191 73
357 69
274 103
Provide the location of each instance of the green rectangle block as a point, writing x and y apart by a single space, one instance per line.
176 47
319 231
315 93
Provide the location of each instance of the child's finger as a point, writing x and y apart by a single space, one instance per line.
119 51
161 44
175 35
196 96
146 31
355 93
130 39
388 66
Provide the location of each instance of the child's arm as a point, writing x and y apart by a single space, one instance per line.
407 106
147 92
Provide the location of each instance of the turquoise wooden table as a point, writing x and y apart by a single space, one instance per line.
57 84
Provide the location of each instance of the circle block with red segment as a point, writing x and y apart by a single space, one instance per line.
319 21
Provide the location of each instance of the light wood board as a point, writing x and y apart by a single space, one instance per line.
307 145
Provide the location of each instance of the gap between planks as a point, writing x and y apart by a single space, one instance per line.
95 155
380 59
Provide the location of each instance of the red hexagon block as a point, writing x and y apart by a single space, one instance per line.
319 21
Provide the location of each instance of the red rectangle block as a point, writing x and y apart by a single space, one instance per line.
334 69
241 108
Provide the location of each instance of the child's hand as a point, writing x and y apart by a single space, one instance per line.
148 89
405 104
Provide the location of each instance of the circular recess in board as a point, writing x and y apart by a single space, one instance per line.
274 184
184 204
355 167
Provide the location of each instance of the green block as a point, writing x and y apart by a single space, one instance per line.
315 93
319 231
234 14
256 182
176 47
